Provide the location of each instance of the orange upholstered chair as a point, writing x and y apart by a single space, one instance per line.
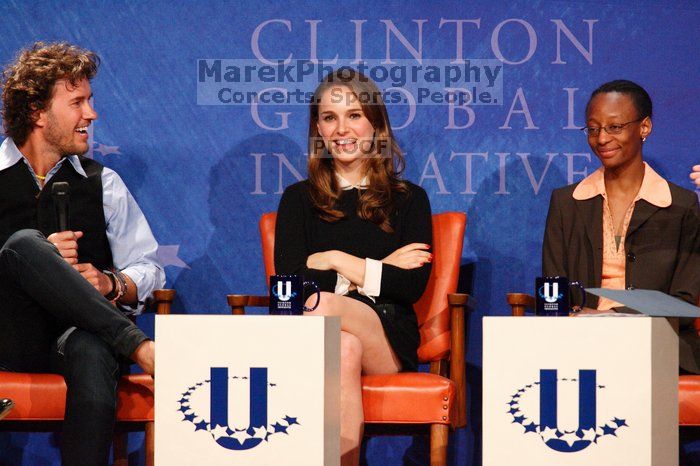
437 399
689 394
688 385
689 400
40 400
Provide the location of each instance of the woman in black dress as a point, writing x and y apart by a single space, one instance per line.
362 234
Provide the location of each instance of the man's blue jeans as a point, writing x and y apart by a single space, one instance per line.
41 296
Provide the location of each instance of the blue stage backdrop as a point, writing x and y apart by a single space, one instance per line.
204 168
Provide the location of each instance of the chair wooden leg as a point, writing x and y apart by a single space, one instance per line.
150 452
120 449
439 436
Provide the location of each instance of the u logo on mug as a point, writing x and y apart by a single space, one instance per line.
283 290
287 295
553 295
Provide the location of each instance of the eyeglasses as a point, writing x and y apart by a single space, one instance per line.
594 131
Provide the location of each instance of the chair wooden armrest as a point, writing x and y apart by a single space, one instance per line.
519 302
459 303
163 300
238 302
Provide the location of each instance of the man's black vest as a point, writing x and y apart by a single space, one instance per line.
23 205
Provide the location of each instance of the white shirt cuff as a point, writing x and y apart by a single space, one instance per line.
342 285
373 279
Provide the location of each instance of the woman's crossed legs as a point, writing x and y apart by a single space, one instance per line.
364 349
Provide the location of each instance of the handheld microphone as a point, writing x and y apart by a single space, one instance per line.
61 199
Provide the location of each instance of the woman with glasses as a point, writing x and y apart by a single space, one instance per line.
625 226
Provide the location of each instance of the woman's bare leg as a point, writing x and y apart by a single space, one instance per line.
364 348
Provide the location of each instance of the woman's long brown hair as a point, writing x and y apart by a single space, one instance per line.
384 161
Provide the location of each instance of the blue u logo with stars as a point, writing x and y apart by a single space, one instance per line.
258 405
223 432
565 441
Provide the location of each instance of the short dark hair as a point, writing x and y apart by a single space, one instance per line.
28 82
640 97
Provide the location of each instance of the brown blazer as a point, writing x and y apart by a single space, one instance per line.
662 245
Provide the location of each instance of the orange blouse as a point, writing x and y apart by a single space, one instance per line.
654 190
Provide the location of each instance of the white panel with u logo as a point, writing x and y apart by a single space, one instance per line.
560 391
249 390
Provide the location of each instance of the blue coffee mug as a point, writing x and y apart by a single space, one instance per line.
287 295
552 297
